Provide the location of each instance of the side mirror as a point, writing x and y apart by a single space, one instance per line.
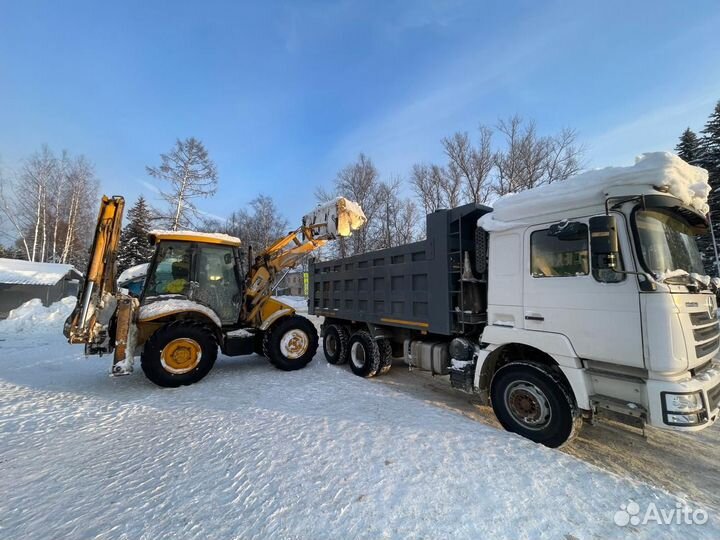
604 241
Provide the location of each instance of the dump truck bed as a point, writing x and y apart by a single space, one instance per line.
414 286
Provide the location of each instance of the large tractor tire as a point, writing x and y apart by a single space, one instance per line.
364 354
178 354
291 343
532 401
335 344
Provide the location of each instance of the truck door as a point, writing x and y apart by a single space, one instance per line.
597 310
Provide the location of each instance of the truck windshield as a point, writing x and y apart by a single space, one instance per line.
667 242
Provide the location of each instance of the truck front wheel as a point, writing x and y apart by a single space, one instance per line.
530 400
335 344
291 343
178 354
365 354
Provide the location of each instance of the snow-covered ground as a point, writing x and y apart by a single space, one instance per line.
253 452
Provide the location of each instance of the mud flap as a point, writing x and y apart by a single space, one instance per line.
125 336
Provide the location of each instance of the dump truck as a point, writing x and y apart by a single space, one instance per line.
557 306
200 293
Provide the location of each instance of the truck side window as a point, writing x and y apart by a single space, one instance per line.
552 257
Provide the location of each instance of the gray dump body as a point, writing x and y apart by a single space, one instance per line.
416 286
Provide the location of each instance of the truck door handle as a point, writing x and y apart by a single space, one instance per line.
534 317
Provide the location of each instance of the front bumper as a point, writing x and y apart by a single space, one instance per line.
706 381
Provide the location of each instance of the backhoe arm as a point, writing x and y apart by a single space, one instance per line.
96 301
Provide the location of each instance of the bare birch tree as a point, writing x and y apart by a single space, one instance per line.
472 164
191 175
49 206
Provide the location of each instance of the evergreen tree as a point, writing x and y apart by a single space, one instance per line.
688 147
709 158
135 247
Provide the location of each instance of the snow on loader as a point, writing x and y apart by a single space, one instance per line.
199 294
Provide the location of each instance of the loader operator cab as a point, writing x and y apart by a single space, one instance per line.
193 267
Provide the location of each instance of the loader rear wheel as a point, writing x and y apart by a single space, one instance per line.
335 344
532 401
364 354
386 356
291 343
179 354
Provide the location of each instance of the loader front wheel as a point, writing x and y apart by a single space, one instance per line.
291 343
179 354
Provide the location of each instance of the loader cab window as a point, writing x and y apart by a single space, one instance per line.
217 282
556 256
171 274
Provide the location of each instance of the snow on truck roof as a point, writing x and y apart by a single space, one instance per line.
661 170
193 236
17 272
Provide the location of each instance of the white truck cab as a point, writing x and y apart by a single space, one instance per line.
602 278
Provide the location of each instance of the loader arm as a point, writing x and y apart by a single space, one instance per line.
97 299
333 220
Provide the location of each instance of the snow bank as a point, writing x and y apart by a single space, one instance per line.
33 317
662 170
133 272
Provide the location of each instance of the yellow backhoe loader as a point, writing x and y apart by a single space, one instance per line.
200 293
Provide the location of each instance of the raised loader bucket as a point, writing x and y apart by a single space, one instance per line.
334 219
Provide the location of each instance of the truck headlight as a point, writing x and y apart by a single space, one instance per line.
684 409
683 403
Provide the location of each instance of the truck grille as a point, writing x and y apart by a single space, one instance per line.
701 318
709 332
706 348
714 397
706 332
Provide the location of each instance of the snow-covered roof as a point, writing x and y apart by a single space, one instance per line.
194 236
133 272
17 272
661 170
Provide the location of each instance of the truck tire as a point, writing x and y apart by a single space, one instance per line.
364 354
178 354
335 344
291 343
530 400
386 356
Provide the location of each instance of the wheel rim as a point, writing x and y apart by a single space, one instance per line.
331 345
528 405
357 355
181 355
294 344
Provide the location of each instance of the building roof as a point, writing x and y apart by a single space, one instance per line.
193 236
16 272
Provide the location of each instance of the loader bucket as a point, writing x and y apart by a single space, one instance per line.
336 218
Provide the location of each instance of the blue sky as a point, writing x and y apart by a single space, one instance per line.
284 94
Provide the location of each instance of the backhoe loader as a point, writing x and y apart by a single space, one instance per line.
200 294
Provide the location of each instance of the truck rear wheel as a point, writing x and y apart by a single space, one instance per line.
291 343
364 354
386 356
528 399
178 354
335 344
